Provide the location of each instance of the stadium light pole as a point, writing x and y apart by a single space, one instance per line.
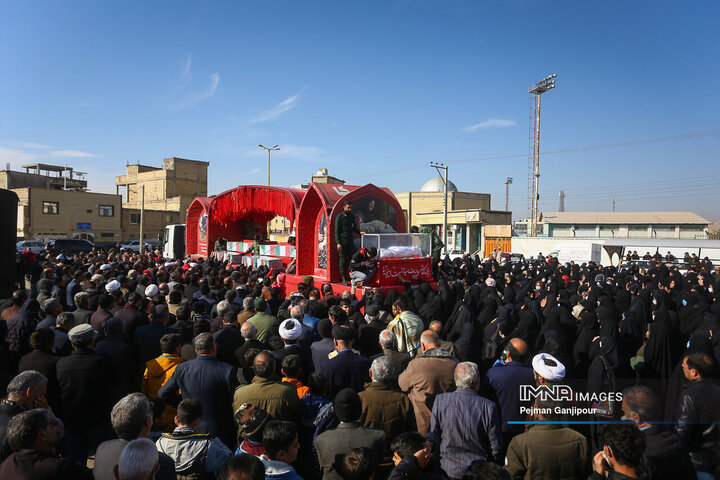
544 85
269 149
508 181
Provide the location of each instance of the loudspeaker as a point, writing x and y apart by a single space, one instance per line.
8 239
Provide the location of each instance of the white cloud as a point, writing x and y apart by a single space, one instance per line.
297 151
72 154
254 171
491 123
15 157
279 109
186 69
36 146
199 97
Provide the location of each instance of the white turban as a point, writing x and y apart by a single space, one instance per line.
551 372
112 286
151 290
105 267
290 329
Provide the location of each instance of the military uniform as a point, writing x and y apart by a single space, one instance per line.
344 229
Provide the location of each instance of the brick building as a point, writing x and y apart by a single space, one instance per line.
169 190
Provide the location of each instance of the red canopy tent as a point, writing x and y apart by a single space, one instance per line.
197 226
230 213
322 203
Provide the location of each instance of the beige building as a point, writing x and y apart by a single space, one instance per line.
168 193
42 175
472 224
49 213
681 225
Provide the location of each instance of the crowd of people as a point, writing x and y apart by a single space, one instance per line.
127 366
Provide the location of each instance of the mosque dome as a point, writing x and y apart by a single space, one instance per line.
437 185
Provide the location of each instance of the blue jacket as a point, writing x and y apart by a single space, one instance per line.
277 470
502 385
213 383
468 426
347 369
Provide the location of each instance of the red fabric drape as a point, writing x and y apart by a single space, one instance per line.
257 204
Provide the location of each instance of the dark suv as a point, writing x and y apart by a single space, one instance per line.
72 246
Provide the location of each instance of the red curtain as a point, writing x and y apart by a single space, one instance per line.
257 204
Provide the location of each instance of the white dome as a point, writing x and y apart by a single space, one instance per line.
437 185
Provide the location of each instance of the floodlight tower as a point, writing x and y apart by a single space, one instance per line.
544 85
508 181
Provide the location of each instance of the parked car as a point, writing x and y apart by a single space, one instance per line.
453 254
34 246
513 257
134 245
72 246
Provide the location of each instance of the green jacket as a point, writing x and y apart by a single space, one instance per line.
437 244
344 228
279 399
262 322
548 452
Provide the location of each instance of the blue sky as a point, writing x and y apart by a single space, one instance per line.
374 91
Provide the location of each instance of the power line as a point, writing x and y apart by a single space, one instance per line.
647 141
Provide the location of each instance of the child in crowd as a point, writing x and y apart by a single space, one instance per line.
251 421
291 371
281 450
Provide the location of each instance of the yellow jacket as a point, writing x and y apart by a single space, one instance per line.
157 372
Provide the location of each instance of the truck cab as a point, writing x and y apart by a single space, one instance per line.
172 240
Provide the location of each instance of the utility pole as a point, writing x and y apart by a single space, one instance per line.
508 181
142 218
562 201
269 149
438 167
544 85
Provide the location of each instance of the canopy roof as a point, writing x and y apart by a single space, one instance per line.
257 203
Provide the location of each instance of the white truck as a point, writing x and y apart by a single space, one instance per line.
172 240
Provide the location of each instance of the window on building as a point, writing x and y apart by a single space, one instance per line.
51 208
107 234
105 210
135 219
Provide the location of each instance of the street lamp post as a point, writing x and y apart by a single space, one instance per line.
438 167
269 149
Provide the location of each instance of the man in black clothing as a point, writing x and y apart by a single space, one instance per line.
131 314
82 313
127 372
34 436
228 338
344 229
699 412
24 391
249 333
665 457
363 265
85 378
621 456
43 360
147 338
